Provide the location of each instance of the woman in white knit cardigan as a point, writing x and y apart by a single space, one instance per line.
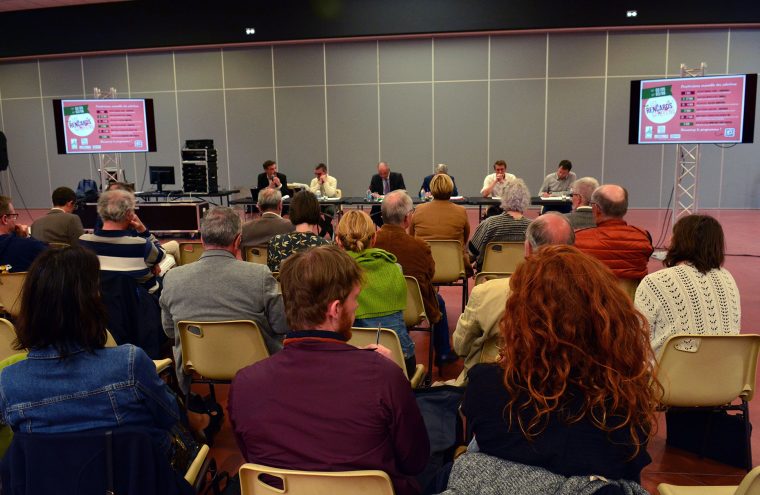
693 295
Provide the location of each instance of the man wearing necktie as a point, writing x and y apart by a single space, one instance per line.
383 182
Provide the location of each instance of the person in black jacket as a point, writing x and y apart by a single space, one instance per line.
383 182
272 178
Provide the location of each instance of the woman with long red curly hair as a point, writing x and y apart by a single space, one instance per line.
572 391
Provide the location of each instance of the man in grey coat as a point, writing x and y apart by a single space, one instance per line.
220 287
60 224
258 232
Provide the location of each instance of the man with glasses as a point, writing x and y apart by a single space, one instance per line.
582 216
17 249
625 249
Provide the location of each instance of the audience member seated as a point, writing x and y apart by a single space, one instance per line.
258 232
304 214
693 295
220 287
493 185
69 381
571 391
383 296
582 215
17 249
508 226
343 408
324 186
477 331
119 251
416 260
441 219
383 182
441 168
60 224
625 249
559 182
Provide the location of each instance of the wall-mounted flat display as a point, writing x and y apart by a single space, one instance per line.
710 109
104 126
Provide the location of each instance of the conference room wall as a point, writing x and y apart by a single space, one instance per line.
467 101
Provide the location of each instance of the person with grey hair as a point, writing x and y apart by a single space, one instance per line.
507 226
476 337
416 260
441 168
259 232
220 287
625 249
124 245
582 216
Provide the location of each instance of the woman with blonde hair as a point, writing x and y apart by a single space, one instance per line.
441 219
572 391
383 296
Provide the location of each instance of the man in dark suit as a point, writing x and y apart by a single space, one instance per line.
60 224
258 232
383 182
273 179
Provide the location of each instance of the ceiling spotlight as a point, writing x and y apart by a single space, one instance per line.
631 13
250 31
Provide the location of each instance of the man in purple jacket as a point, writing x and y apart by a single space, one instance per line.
321 404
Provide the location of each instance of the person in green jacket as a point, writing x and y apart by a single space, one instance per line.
383 296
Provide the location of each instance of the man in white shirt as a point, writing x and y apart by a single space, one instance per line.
324 186
493 186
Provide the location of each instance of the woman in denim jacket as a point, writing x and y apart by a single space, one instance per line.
69 381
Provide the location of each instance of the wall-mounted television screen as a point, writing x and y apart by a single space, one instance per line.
104 126
710 109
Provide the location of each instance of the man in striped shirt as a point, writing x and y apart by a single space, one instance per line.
118 249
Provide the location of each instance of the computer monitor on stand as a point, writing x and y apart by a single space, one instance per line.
160 176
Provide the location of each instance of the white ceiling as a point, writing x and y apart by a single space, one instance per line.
11 5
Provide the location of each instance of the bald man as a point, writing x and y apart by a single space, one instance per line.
477 332
625 249
383 182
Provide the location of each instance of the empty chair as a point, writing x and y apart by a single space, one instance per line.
629 286
189 252
7 336
710 371
750 485
503 256
256 254
217 350
10 292
449 265
368 482
414 314
388 338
